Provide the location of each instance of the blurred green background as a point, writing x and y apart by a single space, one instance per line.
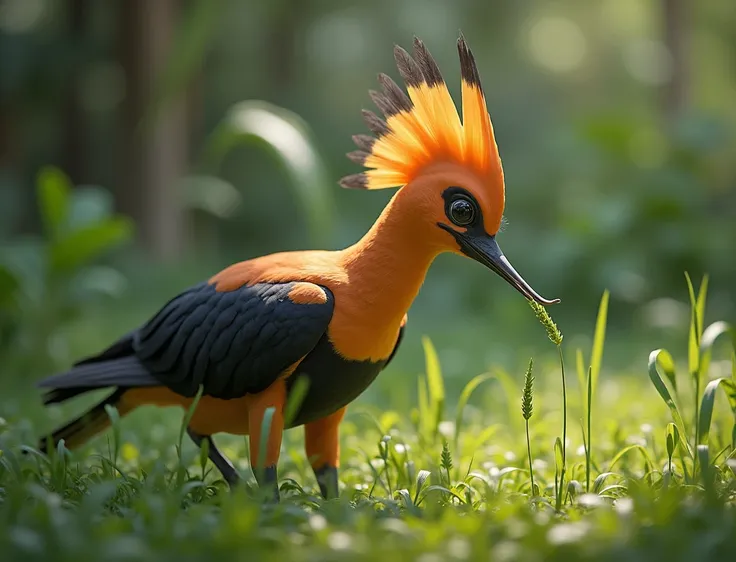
144 145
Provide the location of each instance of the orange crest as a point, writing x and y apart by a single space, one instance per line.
424 127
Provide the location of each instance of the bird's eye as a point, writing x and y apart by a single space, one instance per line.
461 212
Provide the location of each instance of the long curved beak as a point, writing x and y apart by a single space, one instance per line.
483 248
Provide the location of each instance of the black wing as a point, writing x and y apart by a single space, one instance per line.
233 342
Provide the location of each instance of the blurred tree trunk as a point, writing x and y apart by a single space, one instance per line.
283 27
675 24
74 123
154 152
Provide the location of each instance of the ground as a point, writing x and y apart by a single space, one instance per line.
447 479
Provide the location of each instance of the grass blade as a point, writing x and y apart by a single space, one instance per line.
599 338
297 394
661 358
424 421
710 335
695 323
580 370
435 383
468 390
708 401
559 474
672 439
648 464
589 443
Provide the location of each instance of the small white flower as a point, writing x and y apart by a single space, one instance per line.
339 540
566 533
458 548
591 500
447 428
317 522
377 463
624 506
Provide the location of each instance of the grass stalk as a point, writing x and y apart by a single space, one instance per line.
555 336
589 441
527 409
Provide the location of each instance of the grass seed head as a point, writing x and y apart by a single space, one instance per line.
527 405
553 332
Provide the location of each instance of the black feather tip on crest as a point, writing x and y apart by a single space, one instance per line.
408 68
375 123
358 156
395 94
364 142
355 181
382 101
468 68
427 64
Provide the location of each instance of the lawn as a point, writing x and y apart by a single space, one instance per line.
647 472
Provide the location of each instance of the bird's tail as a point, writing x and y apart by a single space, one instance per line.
79 431
117 368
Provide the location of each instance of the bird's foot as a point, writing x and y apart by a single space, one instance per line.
327 480
267 479
223 464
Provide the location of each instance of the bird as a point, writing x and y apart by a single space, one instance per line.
239 343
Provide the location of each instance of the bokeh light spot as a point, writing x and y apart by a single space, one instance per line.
557 43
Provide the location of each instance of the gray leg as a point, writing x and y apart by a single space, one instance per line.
327 480
267 479
226 468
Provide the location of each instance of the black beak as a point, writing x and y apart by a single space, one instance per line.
483 248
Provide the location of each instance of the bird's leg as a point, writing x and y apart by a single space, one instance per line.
223 464
265 468
323 451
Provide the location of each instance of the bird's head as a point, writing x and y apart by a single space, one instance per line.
449 172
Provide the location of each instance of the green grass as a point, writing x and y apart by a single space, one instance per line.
647 473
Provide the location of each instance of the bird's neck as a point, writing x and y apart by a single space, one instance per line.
388 265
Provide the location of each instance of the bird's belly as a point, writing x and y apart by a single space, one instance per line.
334 381
213 415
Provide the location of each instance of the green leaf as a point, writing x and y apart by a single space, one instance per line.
635 447
424 409
662 358
697 312
672 438
705 469
84 245
708 401
296 397
422 478
263 444
559 476
600 479
599 338
285 135
435 383
710 335
53 192
188 415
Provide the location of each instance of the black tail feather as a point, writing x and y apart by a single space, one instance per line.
86 426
